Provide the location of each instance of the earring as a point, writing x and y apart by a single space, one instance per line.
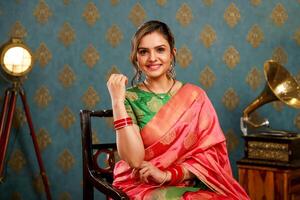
139 75
171 73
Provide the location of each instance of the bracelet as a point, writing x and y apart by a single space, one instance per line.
165 179
173 176
176 175
180 174
122 120
121 123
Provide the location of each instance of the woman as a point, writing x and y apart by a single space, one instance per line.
167 132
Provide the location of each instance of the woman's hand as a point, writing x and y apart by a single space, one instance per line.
117 86
149 172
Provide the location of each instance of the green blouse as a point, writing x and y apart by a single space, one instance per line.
142 106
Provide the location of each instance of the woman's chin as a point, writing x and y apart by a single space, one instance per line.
155 76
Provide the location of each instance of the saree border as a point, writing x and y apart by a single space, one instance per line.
172 110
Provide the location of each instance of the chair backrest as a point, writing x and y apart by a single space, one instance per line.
95 175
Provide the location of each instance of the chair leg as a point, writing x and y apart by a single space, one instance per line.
88 191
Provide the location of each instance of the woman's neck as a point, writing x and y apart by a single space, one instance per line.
160 85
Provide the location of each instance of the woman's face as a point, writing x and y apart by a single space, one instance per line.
154 55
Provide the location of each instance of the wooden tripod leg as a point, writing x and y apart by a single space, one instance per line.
6 122
36 147
4 110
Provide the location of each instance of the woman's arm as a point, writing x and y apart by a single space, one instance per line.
149 171
129 142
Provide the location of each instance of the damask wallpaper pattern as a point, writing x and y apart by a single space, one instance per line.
77 44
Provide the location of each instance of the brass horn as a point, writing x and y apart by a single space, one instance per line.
280 86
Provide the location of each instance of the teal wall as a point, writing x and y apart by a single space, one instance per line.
55 96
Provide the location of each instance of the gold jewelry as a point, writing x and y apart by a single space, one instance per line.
171 72
165 179
158 96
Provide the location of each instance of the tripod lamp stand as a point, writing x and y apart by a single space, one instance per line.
16 63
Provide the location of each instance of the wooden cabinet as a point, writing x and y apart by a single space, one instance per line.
269 182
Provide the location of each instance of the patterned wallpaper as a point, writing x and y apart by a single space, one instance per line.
77 44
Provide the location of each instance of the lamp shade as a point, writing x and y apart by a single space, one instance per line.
16 58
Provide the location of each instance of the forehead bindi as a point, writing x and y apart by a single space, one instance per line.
153 40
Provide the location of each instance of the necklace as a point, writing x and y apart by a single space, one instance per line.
159 96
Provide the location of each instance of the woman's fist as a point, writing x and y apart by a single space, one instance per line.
116 85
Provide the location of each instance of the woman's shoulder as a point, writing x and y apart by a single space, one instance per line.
194 87
195 91
132 88
132 93
137 89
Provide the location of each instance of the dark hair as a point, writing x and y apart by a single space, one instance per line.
145 29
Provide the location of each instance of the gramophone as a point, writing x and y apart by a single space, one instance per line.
263 144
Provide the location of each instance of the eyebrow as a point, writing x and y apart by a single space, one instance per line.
154 47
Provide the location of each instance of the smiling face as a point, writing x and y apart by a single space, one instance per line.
154 56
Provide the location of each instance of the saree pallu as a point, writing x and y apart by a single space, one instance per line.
185 132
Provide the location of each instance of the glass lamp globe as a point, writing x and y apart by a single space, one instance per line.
16 58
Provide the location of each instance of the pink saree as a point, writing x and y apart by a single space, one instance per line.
185 132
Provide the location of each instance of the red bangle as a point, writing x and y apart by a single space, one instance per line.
122 120
176 174
180 173
173 176
121 123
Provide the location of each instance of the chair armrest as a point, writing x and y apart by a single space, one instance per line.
103 177
102 185
105 146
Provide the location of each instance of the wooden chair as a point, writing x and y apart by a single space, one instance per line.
95 176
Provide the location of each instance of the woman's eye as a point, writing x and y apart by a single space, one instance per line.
142 52
160 50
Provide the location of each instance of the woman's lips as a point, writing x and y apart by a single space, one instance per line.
154 67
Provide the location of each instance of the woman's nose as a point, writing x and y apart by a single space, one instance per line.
152 56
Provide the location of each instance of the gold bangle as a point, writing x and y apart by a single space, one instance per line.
165 179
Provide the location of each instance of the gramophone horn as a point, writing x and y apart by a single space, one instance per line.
280 85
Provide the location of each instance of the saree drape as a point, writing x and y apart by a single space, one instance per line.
185 132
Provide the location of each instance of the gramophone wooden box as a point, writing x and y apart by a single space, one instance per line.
268 150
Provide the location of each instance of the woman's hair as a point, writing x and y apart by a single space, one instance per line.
145 29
